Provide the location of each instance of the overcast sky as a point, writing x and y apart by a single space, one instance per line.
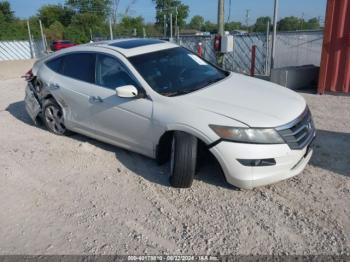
206 8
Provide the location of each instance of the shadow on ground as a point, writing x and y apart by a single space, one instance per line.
18 110
332 152
209 170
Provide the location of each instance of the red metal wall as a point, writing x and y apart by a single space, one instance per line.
335 61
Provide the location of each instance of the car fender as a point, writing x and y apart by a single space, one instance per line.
190 130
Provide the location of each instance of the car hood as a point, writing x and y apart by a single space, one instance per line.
254 102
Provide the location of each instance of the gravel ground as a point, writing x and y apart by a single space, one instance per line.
74 195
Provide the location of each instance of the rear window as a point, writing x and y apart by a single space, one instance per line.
55 64
80 66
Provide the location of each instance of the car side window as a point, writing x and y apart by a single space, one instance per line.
80 66
111 73
55 64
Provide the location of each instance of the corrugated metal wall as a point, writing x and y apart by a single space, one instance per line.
17 50
335 62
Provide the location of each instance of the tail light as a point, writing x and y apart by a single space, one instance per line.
28 76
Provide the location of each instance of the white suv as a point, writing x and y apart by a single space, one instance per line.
161 100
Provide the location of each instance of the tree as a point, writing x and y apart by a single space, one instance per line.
313 24
290 23
233 26
129 24
261 24
6 13
210 27
165 7
99 8
48 14
197 22
55 31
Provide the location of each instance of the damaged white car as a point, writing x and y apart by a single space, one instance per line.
160 100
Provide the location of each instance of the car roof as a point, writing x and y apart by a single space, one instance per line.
135 46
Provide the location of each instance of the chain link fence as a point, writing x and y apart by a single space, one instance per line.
292 49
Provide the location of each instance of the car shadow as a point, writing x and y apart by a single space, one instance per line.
18 110
208 171
332 152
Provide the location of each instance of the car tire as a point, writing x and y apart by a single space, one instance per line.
183 160
53 119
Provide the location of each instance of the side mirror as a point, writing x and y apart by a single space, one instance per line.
128 91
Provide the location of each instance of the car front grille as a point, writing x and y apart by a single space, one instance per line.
300 132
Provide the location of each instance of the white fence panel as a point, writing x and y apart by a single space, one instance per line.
20 50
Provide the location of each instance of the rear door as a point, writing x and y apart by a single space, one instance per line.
72 86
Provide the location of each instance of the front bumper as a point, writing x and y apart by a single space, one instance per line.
289 163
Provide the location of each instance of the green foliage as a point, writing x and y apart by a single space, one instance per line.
16 30
165 7
5 12
10 27
74 34
261 24
55 31
48 14
129 24
100 8
210 27
293 23
290 23
313 24
152 31
233 26
197 22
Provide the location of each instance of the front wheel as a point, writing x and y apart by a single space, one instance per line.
183 160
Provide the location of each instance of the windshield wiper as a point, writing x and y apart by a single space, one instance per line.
211 81
178 93
184 92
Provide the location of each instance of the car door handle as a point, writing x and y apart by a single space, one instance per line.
53 86
95 99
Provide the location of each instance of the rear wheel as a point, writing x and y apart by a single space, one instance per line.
53 117
183 160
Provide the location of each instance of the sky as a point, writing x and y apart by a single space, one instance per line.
205 8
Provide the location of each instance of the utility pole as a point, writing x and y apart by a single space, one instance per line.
247 19
221 18
42 36
267 48
176 25
171 26
110 29
274 35
164 26
221 27
30 41
302 21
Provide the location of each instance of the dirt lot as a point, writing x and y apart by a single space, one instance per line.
74 195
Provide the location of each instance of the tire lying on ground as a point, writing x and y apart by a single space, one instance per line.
183 159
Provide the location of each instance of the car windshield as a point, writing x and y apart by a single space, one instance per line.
176 71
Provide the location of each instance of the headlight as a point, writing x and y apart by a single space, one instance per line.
248 135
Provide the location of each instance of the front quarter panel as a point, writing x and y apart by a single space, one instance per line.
175 115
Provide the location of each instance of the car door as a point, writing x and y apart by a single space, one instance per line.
71 87
127 121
